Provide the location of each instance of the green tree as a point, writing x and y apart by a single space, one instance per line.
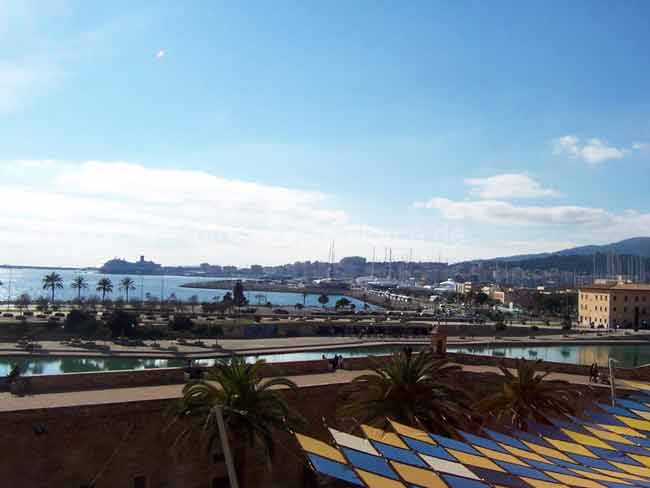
415 391
193 301
342 303
92 302
238 297
253 410
24 301
526 396
122 323
104 285
172 301
127 284
227 301
42 304
323 300
52 281
482 298
79 283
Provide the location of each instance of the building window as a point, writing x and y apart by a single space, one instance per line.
625 298
614 309
614 298
636 299
624 309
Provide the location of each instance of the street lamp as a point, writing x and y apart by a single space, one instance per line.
612 380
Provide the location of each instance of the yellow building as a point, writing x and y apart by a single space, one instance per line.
614 305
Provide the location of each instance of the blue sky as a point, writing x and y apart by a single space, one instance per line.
256 132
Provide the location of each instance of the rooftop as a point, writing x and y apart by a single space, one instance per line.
618 286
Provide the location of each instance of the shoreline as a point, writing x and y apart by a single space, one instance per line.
250 285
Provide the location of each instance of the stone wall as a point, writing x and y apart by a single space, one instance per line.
102 380
112 444
69 447
148 377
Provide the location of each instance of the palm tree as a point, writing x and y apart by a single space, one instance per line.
127 284
52 281
527 396
105 285
253 409
79 283
415 391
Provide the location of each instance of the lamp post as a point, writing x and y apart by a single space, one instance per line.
612 380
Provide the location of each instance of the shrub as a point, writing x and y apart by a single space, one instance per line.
181 322
122 323
79 322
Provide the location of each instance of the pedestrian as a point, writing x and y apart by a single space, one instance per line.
194 372
593 373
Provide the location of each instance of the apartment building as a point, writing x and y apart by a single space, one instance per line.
614 305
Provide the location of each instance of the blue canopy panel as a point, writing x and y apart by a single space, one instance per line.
335 470
372 464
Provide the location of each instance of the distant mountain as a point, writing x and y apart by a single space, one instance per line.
635 246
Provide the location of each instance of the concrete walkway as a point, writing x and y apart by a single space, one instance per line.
291 344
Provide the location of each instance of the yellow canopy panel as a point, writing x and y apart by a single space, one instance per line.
314 446
411 432
379 435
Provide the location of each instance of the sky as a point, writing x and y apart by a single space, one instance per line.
258 132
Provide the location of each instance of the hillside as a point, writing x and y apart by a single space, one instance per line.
635 246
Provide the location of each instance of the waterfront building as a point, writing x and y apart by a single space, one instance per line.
609 305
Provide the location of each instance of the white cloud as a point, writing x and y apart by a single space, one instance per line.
499 212
34 163
505 186
103 209
160 54
641 146
593 151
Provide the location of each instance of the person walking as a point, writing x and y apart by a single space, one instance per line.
593 373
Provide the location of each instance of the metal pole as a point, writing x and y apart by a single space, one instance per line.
225 445
612 380
9 288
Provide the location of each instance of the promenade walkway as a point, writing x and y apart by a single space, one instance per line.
9 402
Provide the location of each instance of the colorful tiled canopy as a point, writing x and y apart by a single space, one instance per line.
609 448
